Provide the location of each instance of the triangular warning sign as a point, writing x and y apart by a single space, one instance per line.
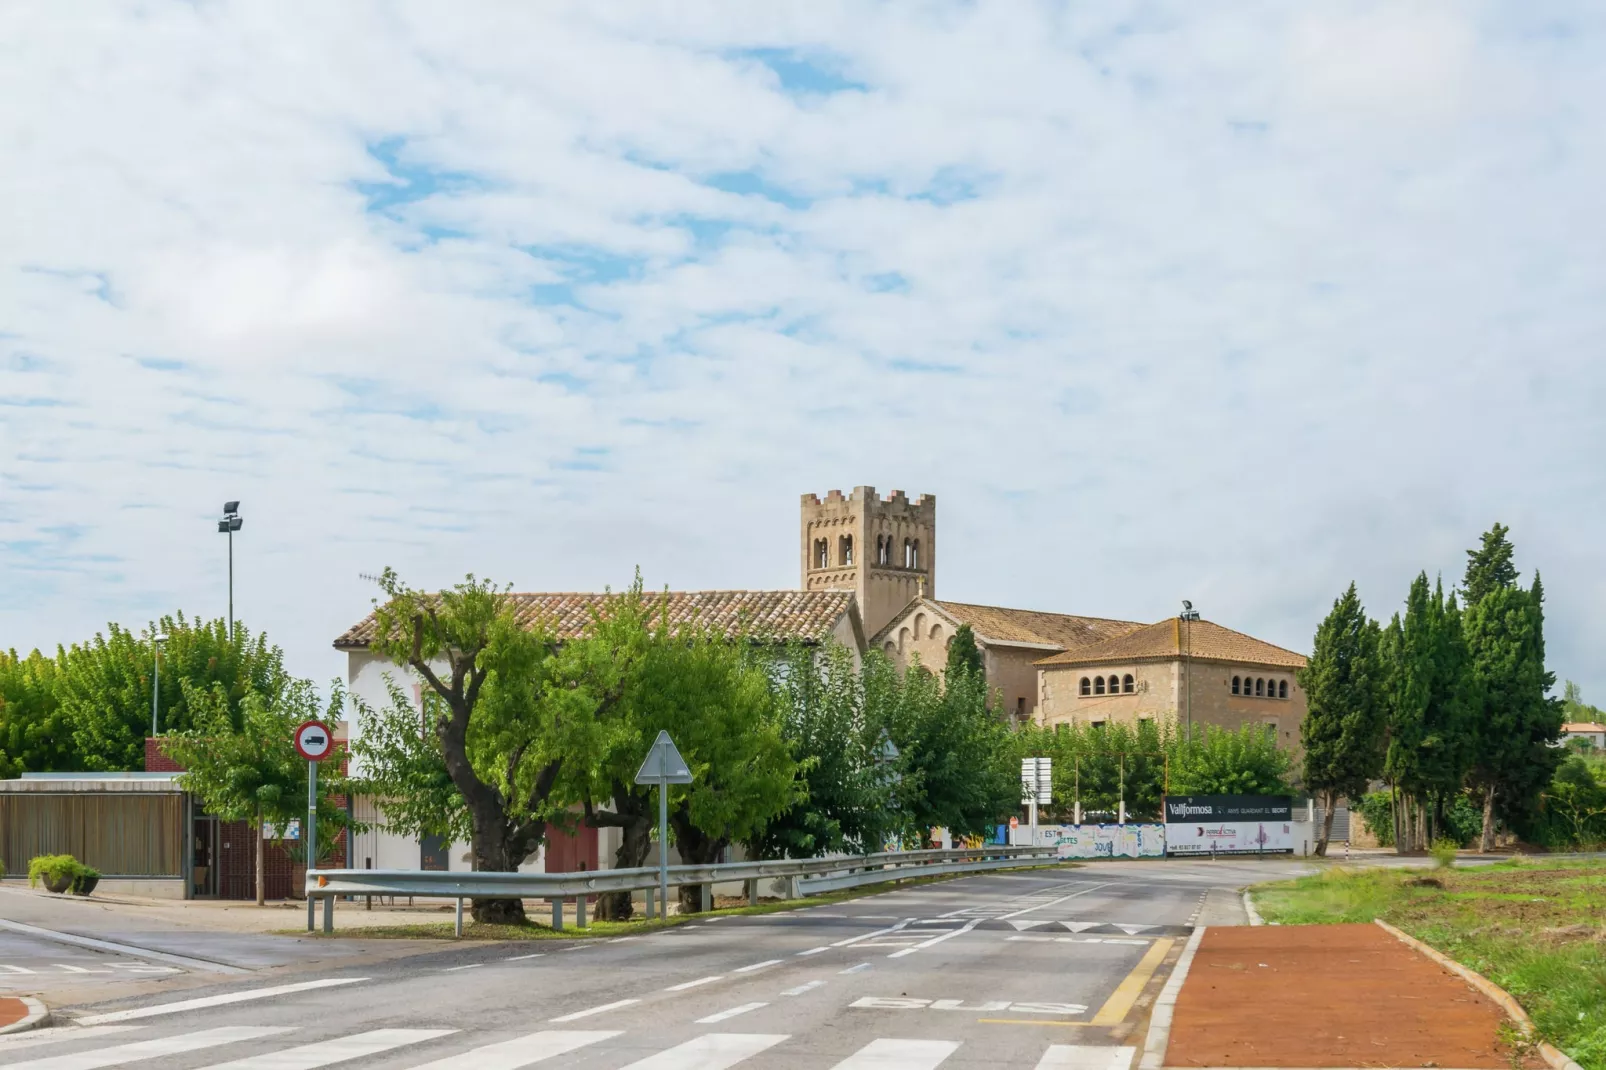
663 764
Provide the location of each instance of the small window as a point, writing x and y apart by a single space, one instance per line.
1098 685
1087 686
914 554
845 549
891 648
1128 685
1235 686
1115 684
1097 724
1020 706
822 553
1260 688
1282 688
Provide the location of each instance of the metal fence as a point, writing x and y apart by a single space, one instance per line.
809 876
122 835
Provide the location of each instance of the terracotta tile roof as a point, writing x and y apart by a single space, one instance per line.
1029 626
1169 637
1581 727
773 616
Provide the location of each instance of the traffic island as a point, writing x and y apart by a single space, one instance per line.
1333 996
18 1013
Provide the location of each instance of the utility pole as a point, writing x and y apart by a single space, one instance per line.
1188 616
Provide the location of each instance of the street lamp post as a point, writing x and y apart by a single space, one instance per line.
1188 616
228 525
156 675
885 756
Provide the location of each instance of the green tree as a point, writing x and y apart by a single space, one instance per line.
964 655
847 793
1492 566
1342 731
1221 761
104 685
1517 724
519 723
35 735
1573 706
240 759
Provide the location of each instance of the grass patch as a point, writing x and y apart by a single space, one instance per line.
473 930
1537 930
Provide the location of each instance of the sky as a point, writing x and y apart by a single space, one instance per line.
1232 302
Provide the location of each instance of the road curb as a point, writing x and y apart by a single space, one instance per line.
1556 1058
1154 1044
38 1015
1249 908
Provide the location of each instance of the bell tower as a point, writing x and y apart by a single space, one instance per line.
882 549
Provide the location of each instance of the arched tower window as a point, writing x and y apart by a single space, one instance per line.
1282 688
1260 688
1087 686
1098 685
1235 685
845 549
1128 685
822 553
914 554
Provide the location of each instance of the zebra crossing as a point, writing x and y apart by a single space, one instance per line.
274 1048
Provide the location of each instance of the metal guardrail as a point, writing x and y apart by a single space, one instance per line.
805 876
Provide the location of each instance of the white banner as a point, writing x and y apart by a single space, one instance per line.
1225 837
1101 841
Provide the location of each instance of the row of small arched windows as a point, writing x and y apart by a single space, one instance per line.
883 551
1117 685
1259 687
884 545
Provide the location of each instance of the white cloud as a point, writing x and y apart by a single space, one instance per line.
1233 306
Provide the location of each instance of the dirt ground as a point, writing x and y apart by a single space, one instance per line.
1329 996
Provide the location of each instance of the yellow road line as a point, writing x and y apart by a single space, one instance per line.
1126 993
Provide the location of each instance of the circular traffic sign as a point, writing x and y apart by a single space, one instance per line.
313 741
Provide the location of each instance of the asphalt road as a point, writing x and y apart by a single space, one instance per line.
1052 968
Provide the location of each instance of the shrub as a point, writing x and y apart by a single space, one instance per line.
1443 852
52 869
85 879
1377 811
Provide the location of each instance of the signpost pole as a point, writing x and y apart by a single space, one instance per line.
310 836
663 847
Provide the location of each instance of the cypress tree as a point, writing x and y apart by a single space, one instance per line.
1490 566
964 656
1445 742
1340 733
1408 689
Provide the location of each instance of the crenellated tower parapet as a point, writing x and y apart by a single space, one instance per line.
883 549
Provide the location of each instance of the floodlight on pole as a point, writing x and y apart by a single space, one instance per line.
231 522
156 675
1188 616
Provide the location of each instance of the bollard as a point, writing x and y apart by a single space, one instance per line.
580 912
557 913
706 898
752 893
459 926
649 904
328 913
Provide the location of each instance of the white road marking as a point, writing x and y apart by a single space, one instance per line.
711 1051
577 1015
216 1001
338 1050
756 966
521 1051
969 925
693 984
151 1049
1085 1057
899 1055
76 969
16 969
800 989
1051 902
470 966
815 950
879 932
61 1033
856 969
865 917
733 1012
521 958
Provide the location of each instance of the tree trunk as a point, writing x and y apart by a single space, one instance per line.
1327 824
1394 816
498 849
696 849
262 869
635 842
1486 841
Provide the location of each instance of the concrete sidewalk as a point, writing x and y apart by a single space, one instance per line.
1330 996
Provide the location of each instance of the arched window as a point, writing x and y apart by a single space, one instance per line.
1282 688
1128 685
884 544
1260 688
1235 688
1087 686
936 632
906 553
1098 685
845 549
822 553
920 624
914 554
891 648
903 639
